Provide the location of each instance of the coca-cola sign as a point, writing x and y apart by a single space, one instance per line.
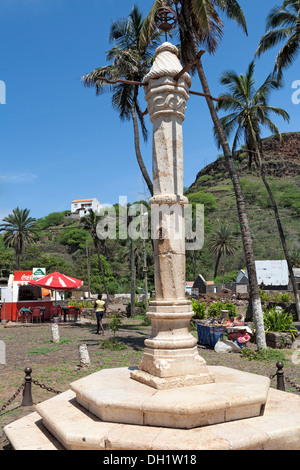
24 276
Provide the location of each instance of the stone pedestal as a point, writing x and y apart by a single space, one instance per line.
171 358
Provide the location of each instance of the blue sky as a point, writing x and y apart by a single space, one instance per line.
59 141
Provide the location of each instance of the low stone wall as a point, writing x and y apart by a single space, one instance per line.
279 340
119 309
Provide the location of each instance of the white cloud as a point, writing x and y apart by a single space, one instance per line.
12 178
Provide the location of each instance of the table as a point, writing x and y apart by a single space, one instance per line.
25 312
28 311
66 308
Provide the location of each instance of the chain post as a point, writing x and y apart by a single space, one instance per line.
280 376
27 396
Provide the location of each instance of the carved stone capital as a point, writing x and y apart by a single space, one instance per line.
168 199
167 97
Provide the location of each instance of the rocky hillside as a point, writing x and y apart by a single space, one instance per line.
213 187
282 160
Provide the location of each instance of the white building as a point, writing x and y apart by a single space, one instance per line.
270 273
80 207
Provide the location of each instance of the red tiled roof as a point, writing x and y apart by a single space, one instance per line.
83 200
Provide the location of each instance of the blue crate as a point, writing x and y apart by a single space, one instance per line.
209 335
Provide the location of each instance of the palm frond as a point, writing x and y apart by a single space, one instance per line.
233 10
149 27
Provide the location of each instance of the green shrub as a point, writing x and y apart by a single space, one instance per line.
279 321
207 199
112 344
285 298
199 309
264 296
81 303
277 297
114 323
215 309
231 308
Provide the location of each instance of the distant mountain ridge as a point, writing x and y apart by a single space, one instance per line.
282 159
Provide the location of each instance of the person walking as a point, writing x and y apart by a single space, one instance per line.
100 308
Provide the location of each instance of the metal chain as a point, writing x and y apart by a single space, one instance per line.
291 382
3 407
44 387
297 387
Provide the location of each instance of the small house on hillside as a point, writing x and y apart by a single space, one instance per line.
81 207
271 274
189 287
203 286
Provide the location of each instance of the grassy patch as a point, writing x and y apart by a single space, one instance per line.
268 355
42 350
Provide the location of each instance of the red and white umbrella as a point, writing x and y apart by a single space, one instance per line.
58 281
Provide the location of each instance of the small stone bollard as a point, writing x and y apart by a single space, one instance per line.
55 333
84 355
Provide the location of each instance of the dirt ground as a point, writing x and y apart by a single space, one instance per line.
56 365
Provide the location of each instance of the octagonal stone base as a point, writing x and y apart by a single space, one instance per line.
113 396
61 423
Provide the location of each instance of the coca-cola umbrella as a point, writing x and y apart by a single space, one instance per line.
57 282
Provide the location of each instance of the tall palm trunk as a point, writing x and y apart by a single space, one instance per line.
243 219
137 145
101 267
19 251
217 264
281 233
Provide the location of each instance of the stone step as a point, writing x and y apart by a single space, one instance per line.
29 433
112 395
75 428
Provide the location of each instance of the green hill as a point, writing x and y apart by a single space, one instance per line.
283 174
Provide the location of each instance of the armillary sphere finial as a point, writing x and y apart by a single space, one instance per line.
165 18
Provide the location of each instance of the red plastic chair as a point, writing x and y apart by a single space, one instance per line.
71 312
36 314
19 315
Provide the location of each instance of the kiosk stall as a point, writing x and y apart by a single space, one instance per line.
20 293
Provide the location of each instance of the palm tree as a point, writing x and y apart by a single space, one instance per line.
199 23
251 111
283 24
89 223
222 244
19 230
131 60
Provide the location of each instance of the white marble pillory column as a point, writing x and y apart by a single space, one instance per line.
171 358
